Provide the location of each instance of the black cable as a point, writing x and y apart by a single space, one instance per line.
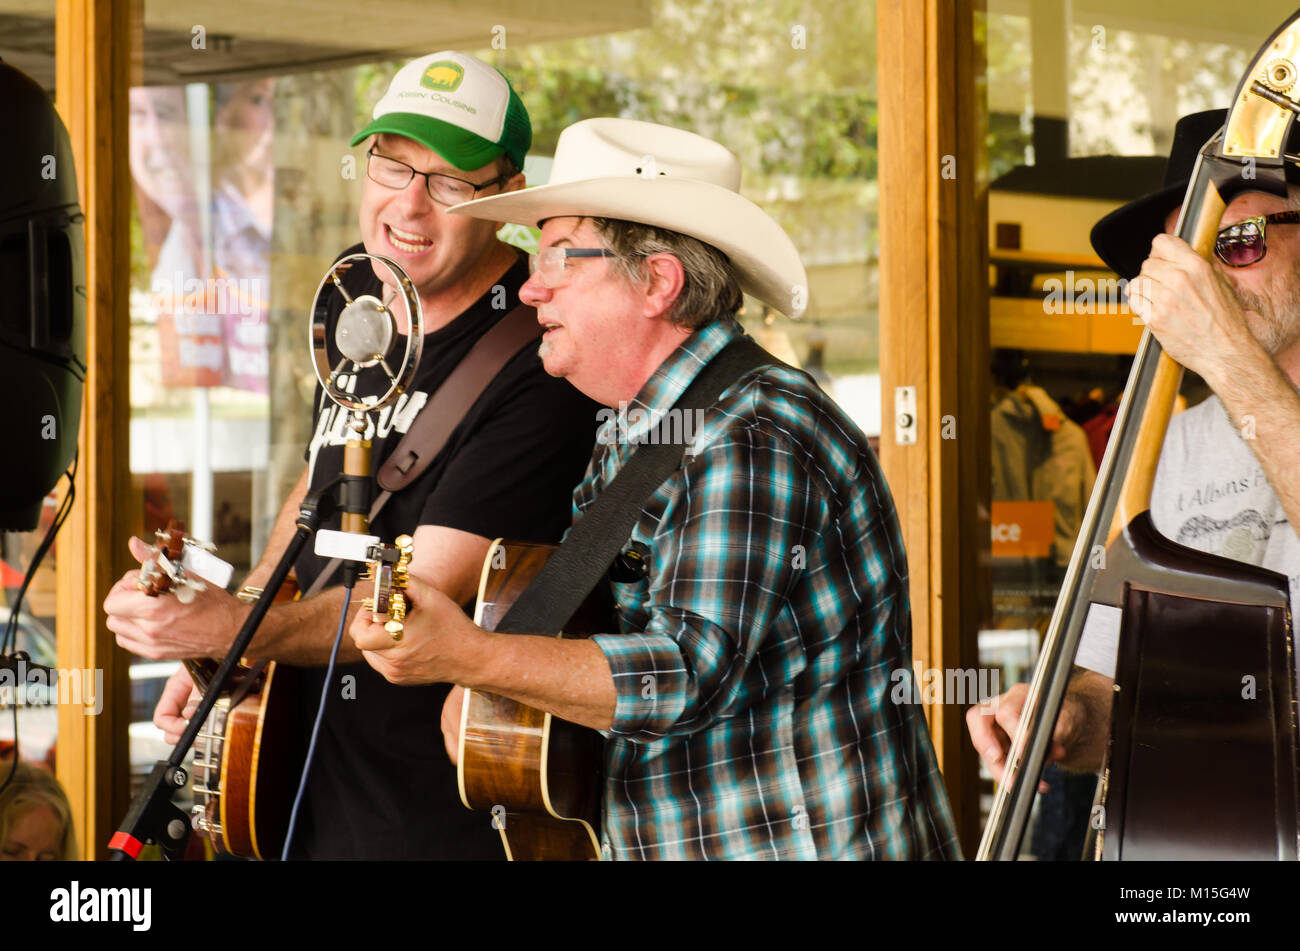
10 638
65 509
315 730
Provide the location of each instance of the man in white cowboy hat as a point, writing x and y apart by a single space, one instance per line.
746 696
1226 482
448 128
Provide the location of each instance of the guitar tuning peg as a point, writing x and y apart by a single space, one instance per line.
397 606
368 604
404 542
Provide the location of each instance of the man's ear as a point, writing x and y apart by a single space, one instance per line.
665 279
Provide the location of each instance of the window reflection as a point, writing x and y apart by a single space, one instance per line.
1083 100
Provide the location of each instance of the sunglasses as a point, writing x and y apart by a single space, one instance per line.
1243 244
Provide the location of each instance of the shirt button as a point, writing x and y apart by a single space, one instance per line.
606 852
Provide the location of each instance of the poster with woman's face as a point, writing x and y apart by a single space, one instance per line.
209 292
242 200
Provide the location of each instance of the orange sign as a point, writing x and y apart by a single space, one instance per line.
1023 529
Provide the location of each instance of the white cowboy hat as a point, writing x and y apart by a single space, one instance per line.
669 178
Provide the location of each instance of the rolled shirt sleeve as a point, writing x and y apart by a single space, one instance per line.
723 558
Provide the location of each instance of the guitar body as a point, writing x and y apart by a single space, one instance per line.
247 759
537 775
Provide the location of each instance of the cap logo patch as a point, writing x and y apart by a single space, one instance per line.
444 75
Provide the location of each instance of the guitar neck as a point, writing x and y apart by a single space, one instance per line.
202 670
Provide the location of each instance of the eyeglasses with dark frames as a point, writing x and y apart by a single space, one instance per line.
550 262
1245 243
442 188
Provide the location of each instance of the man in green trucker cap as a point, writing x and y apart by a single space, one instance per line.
450 128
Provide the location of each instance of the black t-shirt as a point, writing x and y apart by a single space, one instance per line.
381 786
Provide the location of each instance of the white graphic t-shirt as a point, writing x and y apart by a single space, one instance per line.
1210 494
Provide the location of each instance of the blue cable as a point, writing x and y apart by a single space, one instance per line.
320 715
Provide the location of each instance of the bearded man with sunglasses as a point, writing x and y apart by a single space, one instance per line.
1229 475
449 128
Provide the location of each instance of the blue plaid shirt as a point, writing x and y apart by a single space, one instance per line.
753 671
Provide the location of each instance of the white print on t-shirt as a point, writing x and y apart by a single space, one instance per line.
332 424
1243 537
1210 494
1213 491
1238 517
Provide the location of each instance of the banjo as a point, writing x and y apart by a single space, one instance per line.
248 755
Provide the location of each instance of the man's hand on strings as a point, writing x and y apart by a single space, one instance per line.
437 643
162 628
180 698
993 724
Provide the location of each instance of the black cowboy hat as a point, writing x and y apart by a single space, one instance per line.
1123 238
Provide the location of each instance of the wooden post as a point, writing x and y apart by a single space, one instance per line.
934 336
92 50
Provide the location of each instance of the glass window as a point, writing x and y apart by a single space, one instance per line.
1083 100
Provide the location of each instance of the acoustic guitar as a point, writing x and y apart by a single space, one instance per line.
537 775
249 755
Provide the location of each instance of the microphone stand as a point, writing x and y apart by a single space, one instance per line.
153 817
354 495
354 490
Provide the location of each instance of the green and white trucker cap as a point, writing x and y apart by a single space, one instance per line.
457 105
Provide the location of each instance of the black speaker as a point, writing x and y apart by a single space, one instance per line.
42 301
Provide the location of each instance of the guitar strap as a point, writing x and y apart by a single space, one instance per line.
446 408
596 539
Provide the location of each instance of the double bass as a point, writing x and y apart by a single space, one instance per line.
1196 766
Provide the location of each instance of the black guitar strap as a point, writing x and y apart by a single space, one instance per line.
599 535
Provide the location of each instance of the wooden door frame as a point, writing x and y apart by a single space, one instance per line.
934 336
93 43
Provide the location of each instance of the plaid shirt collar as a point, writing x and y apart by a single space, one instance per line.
670 380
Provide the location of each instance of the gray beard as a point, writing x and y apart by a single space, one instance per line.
1278 326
